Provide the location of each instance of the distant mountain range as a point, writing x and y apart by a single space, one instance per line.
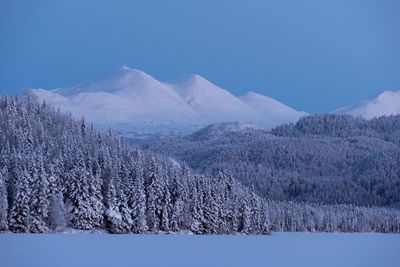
133 103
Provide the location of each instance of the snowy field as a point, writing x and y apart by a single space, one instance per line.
278 250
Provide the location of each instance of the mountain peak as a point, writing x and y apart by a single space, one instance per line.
121 80
125 70
124 67
192 79
387 95
383 104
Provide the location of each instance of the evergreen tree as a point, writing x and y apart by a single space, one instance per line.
40 196
57 212
20 220
197 223
154 195
3 203
78 197
139 224
246 224
126 214
112 215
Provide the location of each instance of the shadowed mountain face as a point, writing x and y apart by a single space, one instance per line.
133 103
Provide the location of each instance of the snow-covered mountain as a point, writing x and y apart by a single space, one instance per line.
134 103
384 104
212 102
272 110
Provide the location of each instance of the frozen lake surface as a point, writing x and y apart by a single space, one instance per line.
277 250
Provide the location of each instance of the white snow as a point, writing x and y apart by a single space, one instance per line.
133 103
277 250
274 111
384 104
212 102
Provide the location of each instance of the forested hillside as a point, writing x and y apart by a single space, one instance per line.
329 159
60 174
57 173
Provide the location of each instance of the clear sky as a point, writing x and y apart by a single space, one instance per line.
312 55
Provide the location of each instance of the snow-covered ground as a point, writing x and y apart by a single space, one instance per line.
278 250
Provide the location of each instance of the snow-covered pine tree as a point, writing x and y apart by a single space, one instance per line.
166 212
256 219
178 191
112 214
212 208
78 196
95 192
57 212
20 220
40 197
197 213
265 223
126 223
138 201
246 222
155 194
3 203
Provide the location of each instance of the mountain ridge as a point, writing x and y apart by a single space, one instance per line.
131 100
385 103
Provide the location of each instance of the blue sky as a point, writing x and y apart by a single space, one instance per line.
312 55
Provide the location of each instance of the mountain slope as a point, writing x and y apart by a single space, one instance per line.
385 104
275 112
124 100
134 103
212 102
